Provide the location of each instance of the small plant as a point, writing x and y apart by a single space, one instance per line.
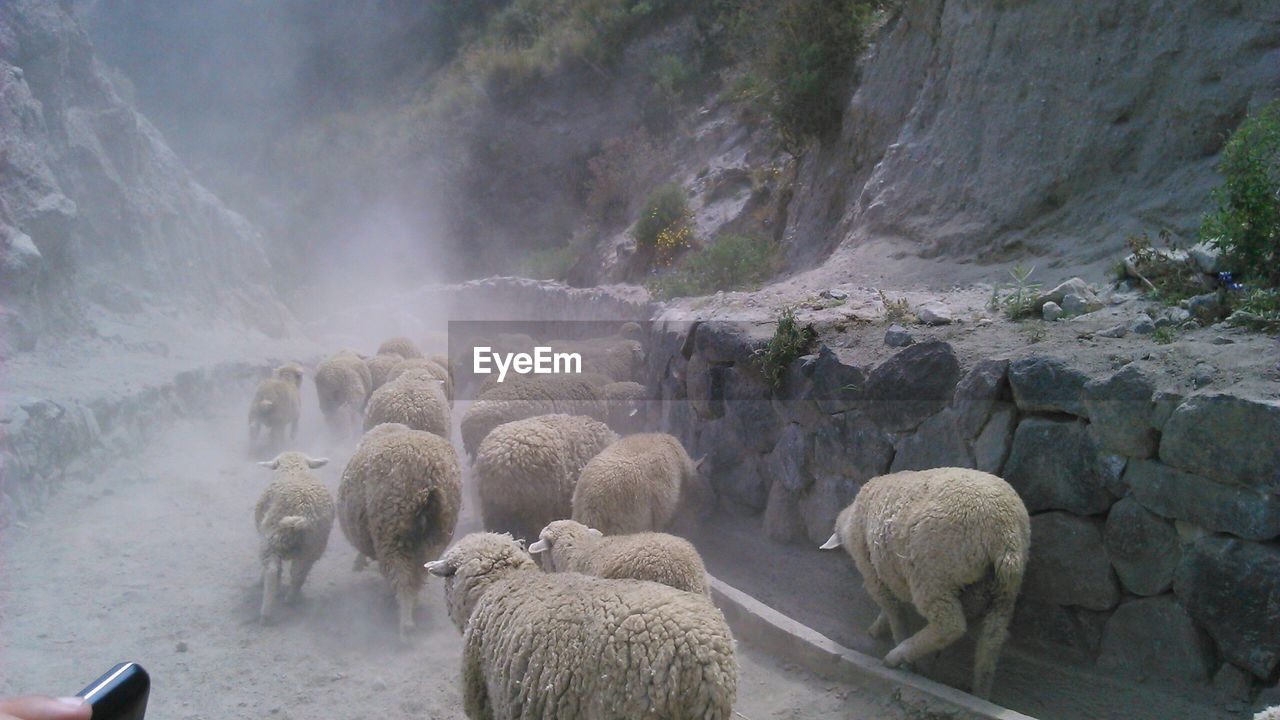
1258 309
789 342
1016 299
897 311
1246 223
664 228
1167 274
1164 335
731 262
1034 331
671 78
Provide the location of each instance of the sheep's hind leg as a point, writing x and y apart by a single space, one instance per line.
270 588
880 628
298 570
892 609
406 600
946 621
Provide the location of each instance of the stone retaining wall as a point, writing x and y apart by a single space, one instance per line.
1155 516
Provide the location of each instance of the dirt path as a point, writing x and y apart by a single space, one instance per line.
155 561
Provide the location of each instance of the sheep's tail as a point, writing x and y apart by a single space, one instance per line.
287 536
1008 568
428 519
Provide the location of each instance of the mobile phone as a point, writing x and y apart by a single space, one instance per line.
120 694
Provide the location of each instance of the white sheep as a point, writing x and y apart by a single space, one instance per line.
1271 713
658 557
379 367
276 405
563 645
293 517
526 470
636 485
402 346
398 504
531 396
415 399
433 368
920 538
343 384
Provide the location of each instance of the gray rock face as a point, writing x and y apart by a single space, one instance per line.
721 341
912 385
1230 588
1068 563
1051 311
1055 465
782 520
1171 493
977 393
897 336
936 443
788 462
1155 638
1073 304
1120 412
850 447
1047 384
836 386
749 412
1142 325
1206 308
704 386
1205 256
935 313
1226 438
1144 548
991 447
1075 287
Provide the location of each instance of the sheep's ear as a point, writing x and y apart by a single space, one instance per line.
595 532
314 463
832 542
270 464
440 568
537 547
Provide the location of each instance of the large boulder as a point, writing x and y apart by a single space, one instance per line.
936 443
976 394
788 463
912 385
1171 493
1047 384
1069 564
991 447
1228 438
1230 587
725 341
1120 412
852 447
1154 638
837 386
749 411
1055 465
704 387
1143 547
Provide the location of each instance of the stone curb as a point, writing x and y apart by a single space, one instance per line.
757 624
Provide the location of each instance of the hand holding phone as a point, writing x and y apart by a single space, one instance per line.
120 694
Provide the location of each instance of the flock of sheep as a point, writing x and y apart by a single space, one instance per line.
615 618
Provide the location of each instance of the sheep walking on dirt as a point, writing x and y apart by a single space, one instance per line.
379 367
432 368
414 398
531 396
658 557
572 647
402 346
636 485
293 517
921 538
343 384
277 405
398 504
526 470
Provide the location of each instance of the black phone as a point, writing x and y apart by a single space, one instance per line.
120 694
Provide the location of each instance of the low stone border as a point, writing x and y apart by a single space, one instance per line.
755 623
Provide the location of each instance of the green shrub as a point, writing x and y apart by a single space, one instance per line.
664 228
731 262
1016 299
1246 223
1258 309
1167 278
789 342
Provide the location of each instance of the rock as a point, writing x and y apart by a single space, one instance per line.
1176 315
1142 325
834 294
789 459
912 385
1055 465
1120 412
1144 548
1225 437
20 262
378 685
935 313
1073 304
836 386
1232 687
936 443
850 447
734 472
1206 308
1222 340
1171 493
1230 588
748 410
1068 564
1115 331
991 447
723 341
1051 311
1163 403
1047 384
897 336
977 393
181 647
1154 638
1206 257
821 503
1203 375
1075 286
782 520
1050 626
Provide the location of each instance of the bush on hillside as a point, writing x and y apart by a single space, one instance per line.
1246 222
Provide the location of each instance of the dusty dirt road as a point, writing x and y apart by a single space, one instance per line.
155 560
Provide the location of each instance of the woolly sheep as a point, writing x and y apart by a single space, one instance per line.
526 470
624 402
415 399
443 361
402 346
398 504
529 397
433 368
293 517
657 557
343 384
1271 713
636 484
570 646
921 538
379 367
276 405
631 331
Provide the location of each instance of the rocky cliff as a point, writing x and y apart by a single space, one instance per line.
100 223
